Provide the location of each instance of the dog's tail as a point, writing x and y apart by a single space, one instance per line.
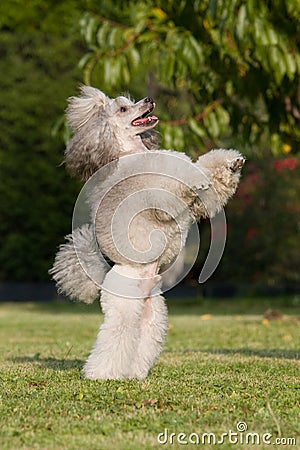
79 267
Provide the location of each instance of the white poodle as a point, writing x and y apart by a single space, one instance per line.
142 202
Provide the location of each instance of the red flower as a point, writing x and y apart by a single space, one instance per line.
286 163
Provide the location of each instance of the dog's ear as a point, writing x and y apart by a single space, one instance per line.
90 149
82 108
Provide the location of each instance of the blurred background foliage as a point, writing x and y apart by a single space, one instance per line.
224 73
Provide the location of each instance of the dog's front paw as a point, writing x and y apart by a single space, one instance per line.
237 163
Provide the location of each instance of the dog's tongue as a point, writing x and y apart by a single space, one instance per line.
145 120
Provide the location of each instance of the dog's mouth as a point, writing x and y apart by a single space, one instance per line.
145 119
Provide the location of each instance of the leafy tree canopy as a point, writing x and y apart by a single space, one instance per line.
230 68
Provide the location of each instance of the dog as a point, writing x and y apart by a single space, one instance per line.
142 201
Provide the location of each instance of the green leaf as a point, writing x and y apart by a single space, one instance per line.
212 125
67 134
297 61
140 25
83 23
147 37
277 63
260 34
189 56
180 69
178 138
223 118
158 13
241 22
85 59
133 58
196 47
57 126
276 144
197 128
125 71
290 64
115 38
107 71
89 67
116 70
102 34
90 28
271 36
167 140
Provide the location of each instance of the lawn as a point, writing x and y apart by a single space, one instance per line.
224 368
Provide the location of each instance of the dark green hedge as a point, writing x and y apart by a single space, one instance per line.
40 48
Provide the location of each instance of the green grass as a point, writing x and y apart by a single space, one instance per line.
221 365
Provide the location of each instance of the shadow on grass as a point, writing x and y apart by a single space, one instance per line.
50 363
263 353
69 364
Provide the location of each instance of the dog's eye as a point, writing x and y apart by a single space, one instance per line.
123 109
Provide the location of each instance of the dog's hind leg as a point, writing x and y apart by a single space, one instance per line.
154 324
113 353
149 279
134 329
154 327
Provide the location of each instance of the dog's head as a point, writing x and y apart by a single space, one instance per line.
105 129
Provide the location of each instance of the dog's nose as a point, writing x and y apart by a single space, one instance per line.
149 100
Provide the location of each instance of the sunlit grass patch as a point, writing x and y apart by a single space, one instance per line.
216 370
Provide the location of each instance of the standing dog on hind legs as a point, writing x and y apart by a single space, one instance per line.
172 193
104 130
